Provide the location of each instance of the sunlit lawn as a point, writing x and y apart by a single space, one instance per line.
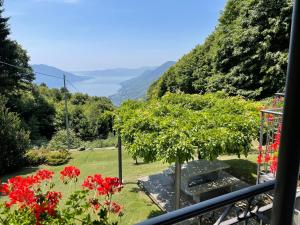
137 205
242 168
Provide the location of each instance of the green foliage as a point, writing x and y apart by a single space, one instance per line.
12 79
245 55
61 140
55 158
14 140
89 117
110 141
37 113
36 157
178 125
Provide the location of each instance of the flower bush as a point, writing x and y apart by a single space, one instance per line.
33 200
269 156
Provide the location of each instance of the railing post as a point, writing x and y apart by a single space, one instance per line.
289 151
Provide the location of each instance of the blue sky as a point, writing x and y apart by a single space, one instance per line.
97 34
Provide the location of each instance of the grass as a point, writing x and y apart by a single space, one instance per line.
137 205
243 168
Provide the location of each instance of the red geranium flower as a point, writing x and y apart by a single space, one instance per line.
70 172
44 175
116 208
259 159
274 164
267 158
104 186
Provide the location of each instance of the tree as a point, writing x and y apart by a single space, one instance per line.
62 139
246 54
12 79
14 140
178 126
36 112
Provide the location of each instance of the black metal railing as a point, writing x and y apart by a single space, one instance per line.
215 203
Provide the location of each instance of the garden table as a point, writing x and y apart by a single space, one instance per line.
202 176
197 168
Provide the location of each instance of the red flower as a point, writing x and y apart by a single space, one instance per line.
270 118
104 186
92 183
267 158
274 164
116 208
70 172
44 175
259 159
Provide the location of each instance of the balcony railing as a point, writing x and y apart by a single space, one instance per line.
228 203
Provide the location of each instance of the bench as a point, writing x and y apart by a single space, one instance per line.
224 183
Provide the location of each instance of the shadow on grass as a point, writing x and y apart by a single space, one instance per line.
139 163
155 213
20 172
242 169
135 190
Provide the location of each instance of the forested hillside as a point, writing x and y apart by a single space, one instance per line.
41 69
245 55
136 88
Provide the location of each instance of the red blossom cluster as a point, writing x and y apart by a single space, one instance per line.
27 192
22 191
69 173
103 186
106 186
270 155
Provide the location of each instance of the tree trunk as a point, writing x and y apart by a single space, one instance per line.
177 184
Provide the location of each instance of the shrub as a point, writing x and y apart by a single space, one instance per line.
36 157
60 140
14 140
55 158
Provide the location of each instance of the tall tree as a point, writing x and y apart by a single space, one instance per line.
12 79
245 55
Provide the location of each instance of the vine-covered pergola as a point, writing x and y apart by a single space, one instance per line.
180 127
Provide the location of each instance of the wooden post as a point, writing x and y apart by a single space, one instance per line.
120 156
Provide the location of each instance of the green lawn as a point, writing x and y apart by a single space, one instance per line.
137 205
242 168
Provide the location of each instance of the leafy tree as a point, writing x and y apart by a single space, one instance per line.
36 112
178 126
62 139
14 140
12 79
246 54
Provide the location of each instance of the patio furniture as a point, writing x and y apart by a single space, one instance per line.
200 178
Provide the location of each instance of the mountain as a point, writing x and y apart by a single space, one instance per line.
123 73
136 87
107 82
51 81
